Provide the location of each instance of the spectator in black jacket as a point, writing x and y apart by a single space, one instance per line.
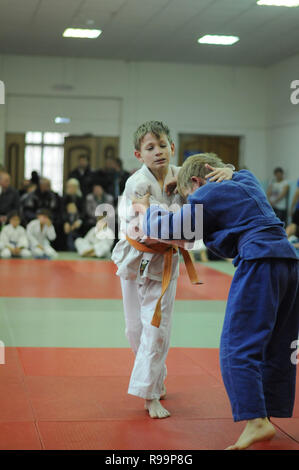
83 174
9 197
116 177
42 198
72 198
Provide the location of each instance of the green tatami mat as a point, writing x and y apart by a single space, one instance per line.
28 322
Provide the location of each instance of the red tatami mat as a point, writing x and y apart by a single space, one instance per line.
94 280
290 426
19 436
93 362
148 434
77 399
15 404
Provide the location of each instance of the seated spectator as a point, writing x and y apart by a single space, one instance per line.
98 242
71 225
23 199
93 200
83 174
41 198
13 238
293 228
40 232
73 194
116 177
9 197
277 194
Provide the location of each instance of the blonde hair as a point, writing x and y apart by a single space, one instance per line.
76 183
195 166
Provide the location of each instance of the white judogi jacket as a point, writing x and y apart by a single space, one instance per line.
131 263
37 236
13 237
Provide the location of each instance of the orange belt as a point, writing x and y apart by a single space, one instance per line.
167 251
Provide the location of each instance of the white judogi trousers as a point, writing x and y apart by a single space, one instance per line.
47 250
150 344
24 253
101 247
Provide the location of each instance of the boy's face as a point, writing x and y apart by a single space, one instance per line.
155 152
15 221
196 182
43 219
279 176
83 163
98 190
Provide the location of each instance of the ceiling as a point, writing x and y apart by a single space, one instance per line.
151 30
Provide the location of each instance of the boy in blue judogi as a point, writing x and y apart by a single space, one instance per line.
262 315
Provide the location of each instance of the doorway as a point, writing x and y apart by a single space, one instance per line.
226 147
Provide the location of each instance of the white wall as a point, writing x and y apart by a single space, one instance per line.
88 115
283 117
200 99
283 120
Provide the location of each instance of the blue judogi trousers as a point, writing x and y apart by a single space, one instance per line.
261 322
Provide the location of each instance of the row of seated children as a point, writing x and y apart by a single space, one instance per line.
35 240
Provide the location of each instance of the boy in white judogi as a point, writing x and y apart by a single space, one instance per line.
97 242
141 272
40 232
13 238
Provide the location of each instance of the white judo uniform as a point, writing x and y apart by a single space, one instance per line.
100 241
141 282
14 237
41 236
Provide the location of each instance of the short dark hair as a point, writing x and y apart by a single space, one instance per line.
84 155
12 214
45 212
278 170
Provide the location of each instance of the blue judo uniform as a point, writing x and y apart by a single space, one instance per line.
262 315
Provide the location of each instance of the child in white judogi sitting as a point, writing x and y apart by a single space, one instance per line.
40 232
13 238
97 242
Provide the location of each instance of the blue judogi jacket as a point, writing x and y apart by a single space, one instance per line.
238 221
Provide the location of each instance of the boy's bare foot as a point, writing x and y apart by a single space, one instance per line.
163 394
88 253
155 409
256 430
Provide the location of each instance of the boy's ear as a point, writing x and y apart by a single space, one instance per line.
172 146
197 181
138 155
